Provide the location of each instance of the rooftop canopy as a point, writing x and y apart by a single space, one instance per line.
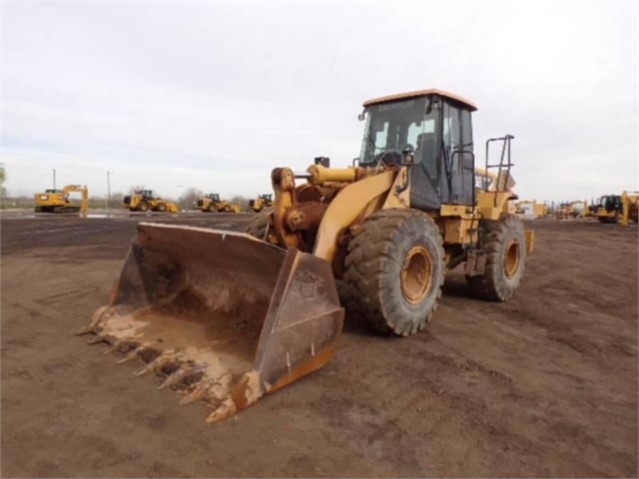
413 94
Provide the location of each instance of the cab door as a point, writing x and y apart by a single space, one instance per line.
458 161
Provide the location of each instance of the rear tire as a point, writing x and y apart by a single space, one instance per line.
394 271
143 206
505 249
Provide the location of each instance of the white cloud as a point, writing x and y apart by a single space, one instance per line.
214 95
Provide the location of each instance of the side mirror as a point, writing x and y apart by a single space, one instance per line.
408 155
361 116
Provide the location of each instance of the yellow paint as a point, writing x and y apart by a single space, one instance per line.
320 174
345 209
60 198
399 196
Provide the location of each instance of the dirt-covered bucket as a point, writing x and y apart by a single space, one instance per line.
219 315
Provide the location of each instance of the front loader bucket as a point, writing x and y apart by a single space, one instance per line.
219 315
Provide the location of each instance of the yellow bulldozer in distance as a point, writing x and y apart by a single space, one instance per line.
261 202
227 317
145 200
617 208
212 203
58 201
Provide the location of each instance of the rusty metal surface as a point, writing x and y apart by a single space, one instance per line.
219 315
413 94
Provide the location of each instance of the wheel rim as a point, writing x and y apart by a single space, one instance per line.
416 274
511 258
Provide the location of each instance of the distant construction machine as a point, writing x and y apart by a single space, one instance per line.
261 202
58 201
531 209
577 209
617 208
212 203
145 200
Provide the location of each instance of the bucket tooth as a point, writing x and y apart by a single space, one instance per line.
97 340
117 344
178 376
92 327
224 410
158 363
88 329
200 391
133 354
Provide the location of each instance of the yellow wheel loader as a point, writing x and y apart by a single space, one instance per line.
261 202
617 208
212 203
145 200
573 210
227 317
58 201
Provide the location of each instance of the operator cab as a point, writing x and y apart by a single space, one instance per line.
611 202
145 193
213 196
432 126
53 191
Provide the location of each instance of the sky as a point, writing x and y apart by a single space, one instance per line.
214 95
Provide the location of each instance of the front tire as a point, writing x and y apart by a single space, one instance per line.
394 271
161 207
505 250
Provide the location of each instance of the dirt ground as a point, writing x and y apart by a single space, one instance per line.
542 386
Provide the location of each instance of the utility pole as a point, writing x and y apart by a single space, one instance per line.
54 179
108 190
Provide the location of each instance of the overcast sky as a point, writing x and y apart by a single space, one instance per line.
214 95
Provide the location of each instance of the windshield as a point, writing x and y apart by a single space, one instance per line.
396 126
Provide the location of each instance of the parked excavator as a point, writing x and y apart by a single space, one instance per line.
212 203
227 317
261 202
617 208
58 201
577 209
145 200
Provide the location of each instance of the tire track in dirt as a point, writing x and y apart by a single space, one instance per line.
542 386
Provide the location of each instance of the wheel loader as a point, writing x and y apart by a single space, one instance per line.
145 200
261 202
617 208
227 317
212 203
577 209
58 201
